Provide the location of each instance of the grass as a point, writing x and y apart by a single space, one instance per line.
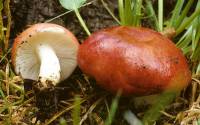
94 106
113 109
130 12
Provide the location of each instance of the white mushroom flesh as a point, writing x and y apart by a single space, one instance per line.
49 55
49 65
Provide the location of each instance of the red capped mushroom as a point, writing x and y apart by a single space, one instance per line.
45 53
138 61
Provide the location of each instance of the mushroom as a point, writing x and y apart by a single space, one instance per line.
45 53
138 61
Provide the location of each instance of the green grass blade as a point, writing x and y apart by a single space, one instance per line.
121 11
196 38
151 14
183 14
185 42
128 12
8 25
154 112
196 54
198 69
186 23
1 26
2 95
186 50
160 15
176 13
139 12
194 34
76 111
62 121
1 5
196 25
186 38
113 109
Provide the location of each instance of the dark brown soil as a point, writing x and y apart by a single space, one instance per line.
26 12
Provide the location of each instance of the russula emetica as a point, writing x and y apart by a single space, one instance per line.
138 61
45 53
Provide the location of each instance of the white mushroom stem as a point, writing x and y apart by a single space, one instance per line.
49 67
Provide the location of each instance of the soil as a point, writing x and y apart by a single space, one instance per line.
26 12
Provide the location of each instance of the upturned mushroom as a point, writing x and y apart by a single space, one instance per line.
138 61
45 53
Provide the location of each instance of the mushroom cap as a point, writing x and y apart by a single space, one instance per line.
25 60
138 61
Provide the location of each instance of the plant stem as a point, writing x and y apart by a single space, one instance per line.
121 11
82 22
183 14
185 39
110 12
8 14
76 111
4 56
113 109
198 69
176 13
17 87
1 26
151 14
138 6
1 92
128 12
187 22
160 14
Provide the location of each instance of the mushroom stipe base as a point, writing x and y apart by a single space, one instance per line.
47 100
40 85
